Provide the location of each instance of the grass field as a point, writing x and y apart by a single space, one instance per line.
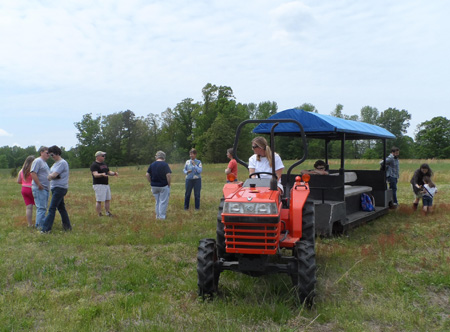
134 273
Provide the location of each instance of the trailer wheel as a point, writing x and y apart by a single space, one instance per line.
207 269
304 278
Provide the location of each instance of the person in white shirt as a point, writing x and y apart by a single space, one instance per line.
429 189
262 161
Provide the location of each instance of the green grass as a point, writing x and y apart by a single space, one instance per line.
134 273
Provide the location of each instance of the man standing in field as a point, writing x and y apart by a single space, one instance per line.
59 177
393 172
100 173
40 185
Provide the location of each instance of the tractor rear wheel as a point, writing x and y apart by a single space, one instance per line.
304 278
207 269
308 223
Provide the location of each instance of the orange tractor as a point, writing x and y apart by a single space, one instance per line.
262 229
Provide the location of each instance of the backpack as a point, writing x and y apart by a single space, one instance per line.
382 165
366 203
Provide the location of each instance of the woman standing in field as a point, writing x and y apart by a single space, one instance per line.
159 176
25 180
193 169
417 182
232 168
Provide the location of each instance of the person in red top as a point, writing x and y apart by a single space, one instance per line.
25 179
232 169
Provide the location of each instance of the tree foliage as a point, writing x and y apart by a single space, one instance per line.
433 138
210 126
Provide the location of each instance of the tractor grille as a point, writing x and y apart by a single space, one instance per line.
252 235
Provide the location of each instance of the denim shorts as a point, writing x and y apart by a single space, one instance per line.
427 201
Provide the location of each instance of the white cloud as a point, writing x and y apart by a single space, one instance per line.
68 58
4 133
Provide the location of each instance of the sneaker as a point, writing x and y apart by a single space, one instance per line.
100 214
109 214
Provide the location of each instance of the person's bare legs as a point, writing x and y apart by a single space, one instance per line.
29 213
107 206
416 203
98 208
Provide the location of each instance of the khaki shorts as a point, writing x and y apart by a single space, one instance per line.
102 192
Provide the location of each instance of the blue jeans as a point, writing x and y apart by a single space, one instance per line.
393 185
57 202
195 184
162 195
41 202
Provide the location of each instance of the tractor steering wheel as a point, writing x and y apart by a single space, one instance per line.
259 174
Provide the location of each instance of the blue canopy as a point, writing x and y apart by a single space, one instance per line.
323 126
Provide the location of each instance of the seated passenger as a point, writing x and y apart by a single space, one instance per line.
262 161
319 168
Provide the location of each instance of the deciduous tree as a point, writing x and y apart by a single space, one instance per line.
433 138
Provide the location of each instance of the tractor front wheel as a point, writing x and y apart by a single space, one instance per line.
207 269
304 278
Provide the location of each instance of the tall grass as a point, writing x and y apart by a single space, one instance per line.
134 273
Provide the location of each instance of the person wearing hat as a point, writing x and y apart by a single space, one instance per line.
100 174
159 176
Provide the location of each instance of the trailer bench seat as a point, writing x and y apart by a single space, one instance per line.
351 190
356 190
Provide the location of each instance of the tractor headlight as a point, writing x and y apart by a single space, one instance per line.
250 208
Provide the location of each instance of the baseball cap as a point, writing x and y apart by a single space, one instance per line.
98 153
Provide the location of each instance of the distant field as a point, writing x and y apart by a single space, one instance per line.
133 273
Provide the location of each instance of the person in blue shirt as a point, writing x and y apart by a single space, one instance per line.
193 170
159 176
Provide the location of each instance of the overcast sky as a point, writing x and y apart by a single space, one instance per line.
60 60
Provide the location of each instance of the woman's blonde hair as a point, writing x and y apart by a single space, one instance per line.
262 143
27 166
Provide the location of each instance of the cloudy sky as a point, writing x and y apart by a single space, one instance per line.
60 60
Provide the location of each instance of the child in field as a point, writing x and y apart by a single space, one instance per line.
429 189
25 180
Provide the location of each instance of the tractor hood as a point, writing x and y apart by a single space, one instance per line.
258 194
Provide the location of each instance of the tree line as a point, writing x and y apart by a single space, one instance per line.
210 125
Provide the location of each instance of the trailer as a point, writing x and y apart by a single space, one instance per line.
337 196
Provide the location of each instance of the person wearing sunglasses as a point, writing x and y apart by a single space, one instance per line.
100 183
261 161
59 185
320 168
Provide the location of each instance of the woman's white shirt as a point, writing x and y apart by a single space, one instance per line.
263 165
